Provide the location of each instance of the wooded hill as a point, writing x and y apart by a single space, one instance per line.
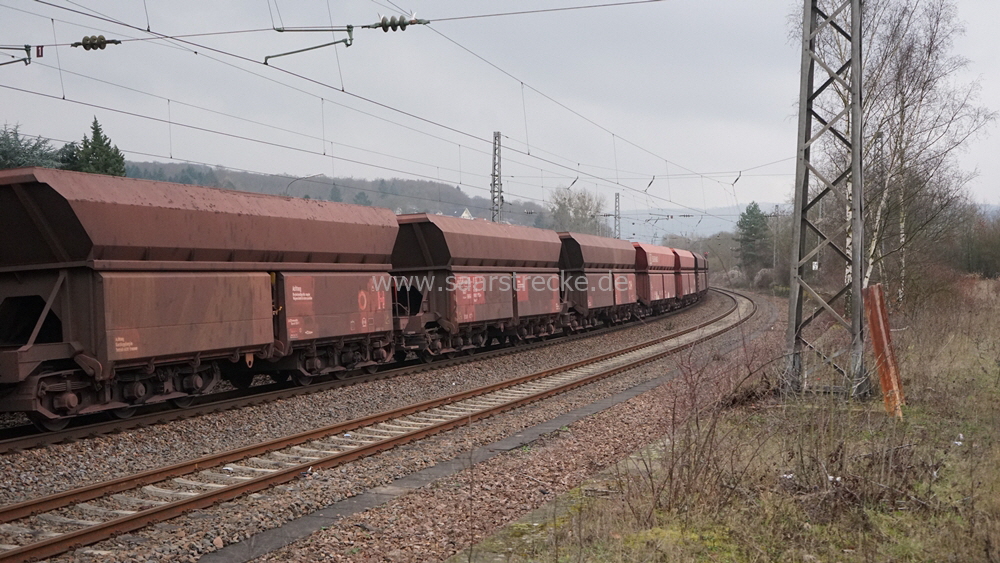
400 195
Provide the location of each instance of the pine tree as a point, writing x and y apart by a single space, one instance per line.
753 235
362 199
97 155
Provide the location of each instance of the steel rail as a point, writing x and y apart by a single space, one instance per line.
92 534
233 399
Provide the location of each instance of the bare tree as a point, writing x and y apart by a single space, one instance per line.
578 211
917 116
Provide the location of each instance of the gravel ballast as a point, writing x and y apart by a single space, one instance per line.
188 537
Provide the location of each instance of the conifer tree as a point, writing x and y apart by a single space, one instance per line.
753 237
97 155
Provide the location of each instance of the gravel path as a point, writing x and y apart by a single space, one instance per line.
41 471
186 538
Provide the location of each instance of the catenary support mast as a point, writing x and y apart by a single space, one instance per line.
496 186
829 167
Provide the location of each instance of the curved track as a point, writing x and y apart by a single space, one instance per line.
94 513
28 436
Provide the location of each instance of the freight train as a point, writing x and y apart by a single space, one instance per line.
117 293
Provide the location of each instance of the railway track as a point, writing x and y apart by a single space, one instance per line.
28 436
57 523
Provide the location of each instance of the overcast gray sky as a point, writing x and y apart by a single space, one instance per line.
692 92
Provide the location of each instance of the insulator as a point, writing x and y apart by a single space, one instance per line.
385 24
403 22
101 42
393 23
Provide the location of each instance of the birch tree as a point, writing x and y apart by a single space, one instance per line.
918 115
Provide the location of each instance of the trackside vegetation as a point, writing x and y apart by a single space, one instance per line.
754 476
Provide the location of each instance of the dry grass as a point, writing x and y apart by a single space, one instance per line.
752 477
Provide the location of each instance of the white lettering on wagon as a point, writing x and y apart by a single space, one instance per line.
122 345
298 294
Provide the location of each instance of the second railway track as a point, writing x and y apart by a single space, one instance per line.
27 436
89 514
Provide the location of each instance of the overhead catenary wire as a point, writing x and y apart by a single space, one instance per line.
547 97
547 10
523 85
107 19
168 121
314 81
386 106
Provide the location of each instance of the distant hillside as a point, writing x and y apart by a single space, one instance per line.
402 196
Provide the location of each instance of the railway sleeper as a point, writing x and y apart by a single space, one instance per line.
248 469
101 511
270 462
291 457
140 503
14 530
225 478
173 494
59 519
311 451
197 484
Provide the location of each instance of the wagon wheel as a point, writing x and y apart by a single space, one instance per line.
302 379
123 412
241 381
371 369
48 424
182 402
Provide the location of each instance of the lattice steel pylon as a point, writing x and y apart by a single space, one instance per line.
496 186
830 118
618 216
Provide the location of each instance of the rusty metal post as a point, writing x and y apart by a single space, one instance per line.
885 355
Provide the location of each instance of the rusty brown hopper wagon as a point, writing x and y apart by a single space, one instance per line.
463 283
117 292
656 269
701 272
687 279
598 277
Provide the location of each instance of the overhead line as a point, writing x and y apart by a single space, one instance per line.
234 136
357 96
369 100
546 10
